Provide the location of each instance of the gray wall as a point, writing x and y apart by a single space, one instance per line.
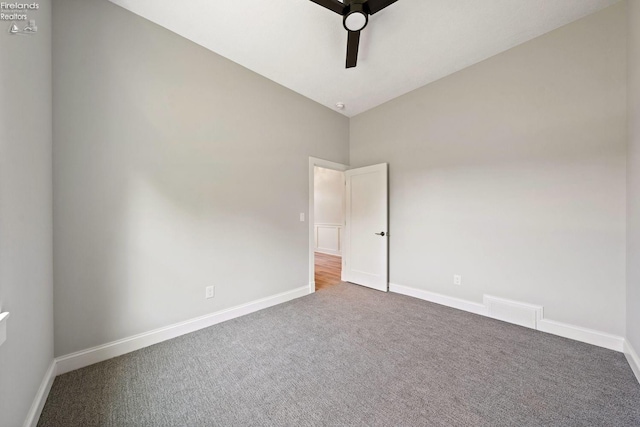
633 180
174 169
512 174
26 285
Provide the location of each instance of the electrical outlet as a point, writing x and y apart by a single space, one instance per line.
210 292
457 279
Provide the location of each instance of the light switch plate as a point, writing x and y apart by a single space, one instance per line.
3 327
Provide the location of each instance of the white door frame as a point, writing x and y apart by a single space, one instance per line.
313 162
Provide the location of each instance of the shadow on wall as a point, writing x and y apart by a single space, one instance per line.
175 170
511 173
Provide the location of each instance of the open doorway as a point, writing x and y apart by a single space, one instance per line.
321 238
361 240
329 222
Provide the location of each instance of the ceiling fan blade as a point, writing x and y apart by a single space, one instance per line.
374 6
353 43
334 5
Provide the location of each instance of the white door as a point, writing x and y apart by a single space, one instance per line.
365 259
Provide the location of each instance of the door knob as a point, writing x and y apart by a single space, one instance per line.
380 234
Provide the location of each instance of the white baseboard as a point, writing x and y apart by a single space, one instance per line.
103 352
632 358
577 333
41 396
460 304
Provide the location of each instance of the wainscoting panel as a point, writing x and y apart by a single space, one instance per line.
328 238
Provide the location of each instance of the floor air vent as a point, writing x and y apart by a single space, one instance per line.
519 313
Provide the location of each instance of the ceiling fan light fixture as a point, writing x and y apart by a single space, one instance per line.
355 16
356 19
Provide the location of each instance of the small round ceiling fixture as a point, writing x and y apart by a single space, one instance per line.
340 105
356 20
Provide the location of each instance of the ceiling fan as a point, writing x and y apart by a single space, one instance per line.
355 16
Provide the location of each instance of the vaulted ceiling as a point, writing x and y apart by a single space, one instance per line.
302 46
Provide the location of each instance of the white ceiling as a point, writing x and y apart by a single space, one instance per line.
302 46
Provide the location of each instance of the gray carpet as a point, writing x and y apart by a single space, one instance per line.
350 356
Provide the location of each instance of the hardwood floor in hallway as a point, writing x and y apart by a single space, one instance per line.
328 270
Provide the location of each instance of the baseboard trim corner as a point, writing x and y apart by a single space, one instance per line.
448 301
33 416
633 358
577 333
80 359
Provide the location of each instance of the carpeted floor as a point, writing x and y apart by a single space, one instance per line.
351 356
